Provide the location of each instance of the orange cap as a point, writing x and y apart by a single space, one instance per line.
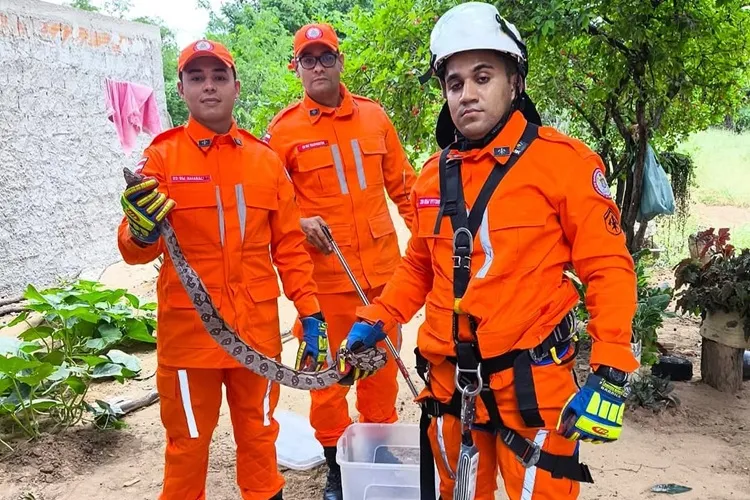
204 48
315 33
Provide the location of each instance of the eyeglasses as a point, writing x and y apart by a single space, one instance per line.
327 59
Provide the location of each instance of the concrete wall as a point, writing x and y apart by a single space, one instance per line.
60 160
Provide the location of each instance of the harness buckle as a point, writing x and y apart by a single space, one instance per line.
469 389
470 239
531 455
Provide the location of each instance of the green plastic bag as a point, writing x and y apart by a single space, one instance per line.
657 197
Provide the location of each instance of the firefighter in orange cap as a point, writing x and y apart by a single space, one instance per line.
229 200
503 210
343 154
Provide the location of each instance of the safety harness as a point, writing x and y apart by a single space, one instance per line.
468 359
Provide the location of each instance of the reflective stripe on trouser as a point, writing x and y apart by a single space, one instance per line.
376 395
554 385
251 406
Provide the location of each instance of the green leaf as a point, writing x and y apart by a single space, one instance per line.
39 404
150 306
110 333
19 319
92 361
54 358
13 364
76 384
34 295
107 370
9 345
94 297
96 344
134 301
60 373
137 330
36 375
5 383
39 332
128 361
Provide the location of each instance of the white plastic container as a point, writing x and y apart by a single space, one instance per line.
296 446
366 454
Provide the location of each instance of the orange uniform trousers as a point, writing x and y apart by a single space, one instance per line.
376 394
554 385
190 401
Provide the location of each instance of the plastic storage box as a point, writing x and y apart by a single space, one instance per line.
380 462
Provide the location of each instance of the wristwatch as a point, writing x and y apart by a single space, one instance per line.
613 375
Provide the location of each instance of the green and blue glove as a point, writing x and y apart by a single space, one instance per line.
362 336
144 208
594 414
313 349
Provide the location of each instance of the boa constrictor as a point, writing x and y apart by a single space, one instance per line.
370 359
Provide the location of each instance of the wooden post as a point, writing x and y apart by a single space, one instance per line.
722 349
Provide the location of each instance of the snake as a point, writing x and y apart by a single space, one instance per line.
369 359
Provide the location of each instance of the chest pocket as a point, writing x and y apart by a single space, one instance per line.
513 236
320 171
369 153
255 204
195 217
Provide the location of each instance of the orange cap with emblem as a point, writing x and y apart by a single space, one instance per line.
315 33
203 48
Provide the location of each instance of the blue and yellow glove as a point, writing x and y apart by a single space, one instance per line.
144 208
361 336
313 349
594 414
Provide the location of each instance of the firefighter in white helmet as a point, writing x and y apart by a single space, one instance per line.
502 211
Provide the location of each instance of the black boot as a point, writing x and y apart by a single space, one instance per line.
278 496
332 490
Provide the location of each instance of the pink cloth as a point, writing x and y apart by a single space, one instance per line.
132 108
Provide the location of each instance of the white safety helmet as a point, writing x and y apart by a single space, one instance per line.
475 26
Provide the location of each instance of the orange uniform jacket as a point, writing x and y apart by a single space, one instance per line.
339 161
233 201
549 211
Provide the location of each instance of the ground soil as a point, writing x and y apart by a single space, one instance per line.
704 443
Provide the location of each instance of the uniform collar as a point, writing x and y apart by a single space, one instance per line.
505 141
203 137
315 110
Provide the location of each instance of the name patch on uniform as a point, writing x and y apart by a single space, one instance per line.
191 178
504 151
428 202
612 223
312 145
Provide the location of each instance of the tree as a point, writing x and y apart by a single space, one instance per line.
84 5
169 54
386 50
631 72
261 49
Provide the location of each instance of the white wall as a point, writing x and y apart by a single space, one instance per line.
60 159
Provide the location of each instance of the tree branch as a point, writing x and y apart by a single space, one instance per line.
619 45
594 127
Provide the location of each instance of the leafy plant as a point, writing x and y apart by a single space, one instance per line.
653 302
82 318
46 372
652 392
720 284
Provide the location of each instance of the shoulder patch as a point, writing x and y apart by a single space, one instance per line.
601 186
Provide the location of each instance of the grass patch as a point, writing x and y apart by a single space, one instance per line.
722 161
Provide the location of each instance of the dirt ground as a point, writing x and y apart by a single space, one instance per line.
703 444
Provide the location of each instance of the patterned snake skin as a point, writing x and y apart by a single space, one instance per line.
370 359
